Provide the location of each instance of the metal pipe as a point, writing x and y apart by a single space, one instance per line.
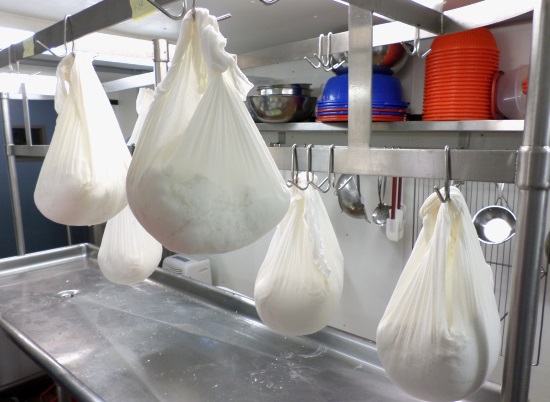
26 114
533 181
360 76
62 394
160 58
14 186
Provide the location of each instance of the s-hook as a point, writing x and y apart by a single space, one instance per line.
447 177
65 23
268 2
163 10
325 58
416 46
331 177
293 181
184 11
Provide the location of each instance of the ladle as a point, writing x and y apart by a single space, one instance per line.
349 196
495 224
382 211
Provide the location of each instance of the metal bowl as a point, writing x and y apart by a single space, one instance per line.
285 89
281 108
392 56
494 224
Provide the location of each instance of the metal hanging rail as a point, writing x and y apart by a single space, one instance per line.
101 15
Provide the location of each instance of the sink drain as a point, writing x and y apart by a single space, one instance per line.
67 294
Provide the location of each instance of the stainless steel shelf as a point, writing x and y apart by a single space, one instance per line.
514 126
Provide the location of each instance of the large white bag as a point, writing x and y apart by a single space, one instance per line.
300 281
82 180
204 183
440 334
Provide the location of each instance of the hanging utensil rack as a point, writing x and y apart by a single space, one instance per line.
528 168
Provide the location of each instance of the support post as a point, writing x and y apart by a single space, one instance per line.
533 180
14 185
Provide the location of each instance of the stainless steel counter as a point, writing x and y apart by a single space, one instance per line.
173 339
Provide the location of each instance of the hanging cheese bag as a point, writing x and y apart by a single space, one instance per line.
300 281
128 254
143 103
82 179
212 186
439 337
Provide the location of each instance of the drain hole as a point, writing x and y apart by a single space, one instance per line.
67 294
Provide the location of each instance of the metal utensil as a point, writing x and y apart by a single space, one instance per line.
349 196
495 224
382 211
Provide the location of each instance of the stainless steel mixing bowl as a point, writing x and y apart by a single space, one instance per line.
285 89
281 108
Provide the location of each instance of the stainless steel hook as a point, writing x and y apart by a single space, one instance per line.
447 177
174 17
331 176
317 55
268 2
416 46
293 181
65 23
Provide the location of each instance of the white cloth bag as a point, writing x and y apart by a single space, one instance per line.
209 184
439 337
128 254
299 284
82 179
143 103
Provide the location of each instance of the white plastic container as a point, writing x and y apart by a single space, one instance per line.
510 98
196 267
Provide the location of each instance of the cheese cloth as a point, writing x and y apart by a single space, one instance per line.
439 337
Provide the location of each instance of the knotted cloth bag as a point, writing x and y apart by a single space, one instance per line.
300 281
202 180
128 254
439 338
82 179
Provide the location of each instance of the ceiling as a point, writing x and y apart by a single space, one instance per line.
252 26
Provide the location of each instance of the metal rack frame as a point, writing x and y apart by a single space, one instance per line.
529 167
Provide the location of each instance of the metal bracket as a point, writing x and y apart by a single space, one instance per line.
533 168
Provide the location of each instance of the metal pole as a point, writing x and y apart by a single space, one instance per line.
533 180
360 76
14 186
26 114
62 394
160 58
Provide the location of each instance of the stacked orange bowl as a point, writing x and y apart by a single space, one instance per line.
461 70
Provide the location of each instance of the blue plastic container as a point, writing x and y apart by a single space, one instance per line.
386 90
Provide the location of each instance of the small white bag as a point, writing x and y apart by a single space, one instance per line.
300 281
143 103
128 254
212 186
439 337
82 179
